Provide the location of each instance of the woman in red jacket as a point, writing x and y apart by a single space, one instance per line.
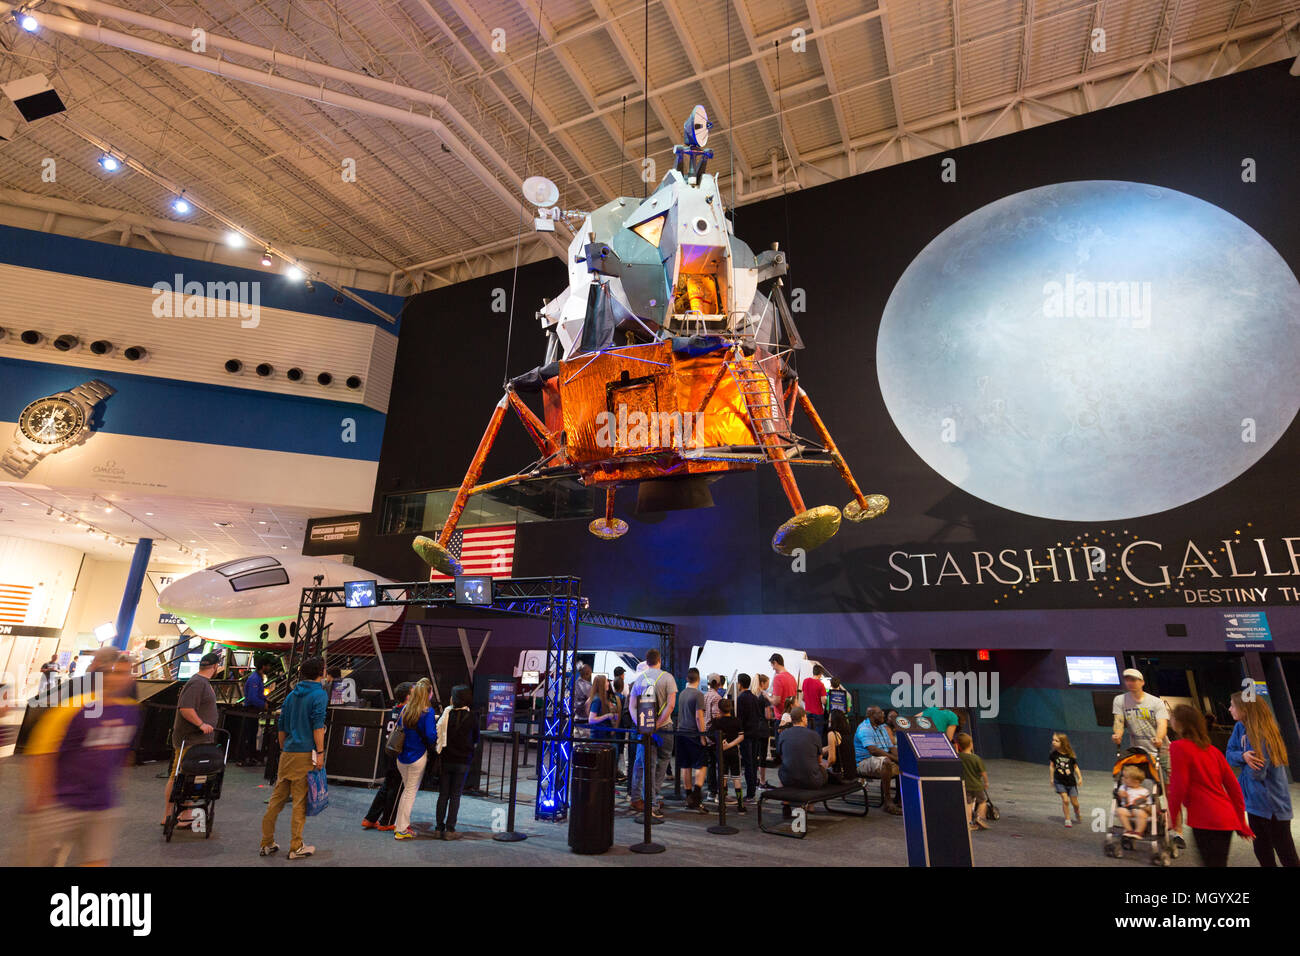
1201 780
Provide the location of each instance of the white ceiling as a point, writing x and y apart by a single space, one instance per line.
208 531
876 83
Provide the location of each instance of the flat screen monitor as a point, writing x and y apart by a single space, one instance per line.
475 590
531 678
187 669
1094 671
359 593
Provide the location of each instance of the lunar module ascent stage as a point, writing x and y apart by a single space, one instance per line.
667 364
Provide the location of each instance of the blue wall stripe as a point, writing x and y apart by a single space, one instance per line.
142 267
210 414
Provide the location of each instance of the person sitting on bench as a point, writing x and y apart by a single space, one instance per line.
877 754
800 748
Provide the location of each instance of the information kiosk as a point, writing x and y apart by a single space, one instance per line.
934 801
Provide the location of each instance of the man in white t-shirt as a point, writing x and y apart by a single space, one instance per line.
1145 717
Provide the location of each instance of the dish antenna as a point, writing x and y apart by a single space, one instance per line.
540 191
697 128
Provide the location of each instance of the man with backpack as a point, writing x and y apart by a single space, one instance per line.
383 809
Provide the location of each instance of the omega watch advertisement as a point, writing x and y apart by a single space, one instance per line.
51 424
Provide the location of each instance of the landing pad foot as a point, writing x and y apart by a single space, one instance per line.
435 555
807 530
609 530
877 505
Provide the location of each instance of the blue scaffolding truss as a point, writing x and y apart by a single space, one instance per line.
557 599
557 704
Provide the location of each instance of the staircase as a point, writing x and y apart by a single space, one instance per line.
763 405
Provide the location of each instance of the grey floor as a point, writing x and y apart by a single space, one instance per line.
1030 832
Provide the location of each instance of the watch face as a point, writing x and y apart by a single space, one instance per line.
51 421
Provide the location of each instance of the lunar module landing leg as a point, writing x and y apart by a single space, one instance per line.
437 552
769 420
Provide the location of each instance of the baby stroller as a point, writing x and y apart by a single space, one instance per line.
1156 836
197 784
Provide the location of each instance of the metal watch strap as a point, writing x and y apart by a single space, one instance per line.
92 392
18 459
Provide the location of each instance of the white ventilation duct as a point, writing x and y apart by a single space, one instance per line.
319 94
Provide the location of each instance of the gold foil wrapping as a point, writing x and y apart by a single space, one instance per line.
602 400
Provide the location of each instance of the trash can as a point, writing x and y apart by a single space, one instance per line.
591 798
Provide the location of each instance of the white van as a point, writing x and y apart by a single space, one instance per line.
730 658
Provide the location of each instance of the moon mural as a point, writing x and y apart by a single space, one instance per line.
1093 350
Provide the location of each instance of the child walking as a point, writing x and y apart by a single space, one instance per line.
976 779
1067 777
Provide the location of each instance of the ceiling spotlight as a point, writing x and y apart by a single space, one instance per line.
309 285
108 509
266 257
32 337
28 23
325 378
294 375
235 239
135 353
181 206
264 369
293 273
101 346
354 381
233 366
63 517
66 343
109 163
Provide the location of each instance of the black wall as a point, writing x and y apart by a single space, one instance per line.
849 242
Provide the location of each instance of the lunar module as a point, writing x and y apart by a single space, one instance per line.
667 364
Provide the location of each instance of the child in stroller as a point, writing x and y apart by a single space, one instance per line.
1138 813
1133 801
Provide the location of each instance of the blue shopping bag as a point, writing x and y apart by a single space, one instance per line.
318 792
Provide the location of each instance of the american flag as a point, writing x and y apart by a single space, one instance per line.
488 551
14 599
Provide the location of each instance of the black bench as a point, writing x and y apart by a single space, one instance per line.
806 798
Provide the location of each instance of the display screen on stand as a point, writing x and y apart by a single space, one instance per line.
359 593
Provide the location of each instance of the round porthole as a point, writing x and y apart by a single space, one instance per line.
282 629
701 225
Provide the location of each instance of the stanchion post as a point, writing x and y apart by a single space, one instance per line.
647 845
721 828
510 836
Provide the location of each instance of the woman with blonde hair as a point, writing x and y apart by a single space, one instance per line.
1258 755
420 724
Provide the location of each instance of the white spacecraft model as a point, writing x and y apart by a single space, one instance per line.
254 600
